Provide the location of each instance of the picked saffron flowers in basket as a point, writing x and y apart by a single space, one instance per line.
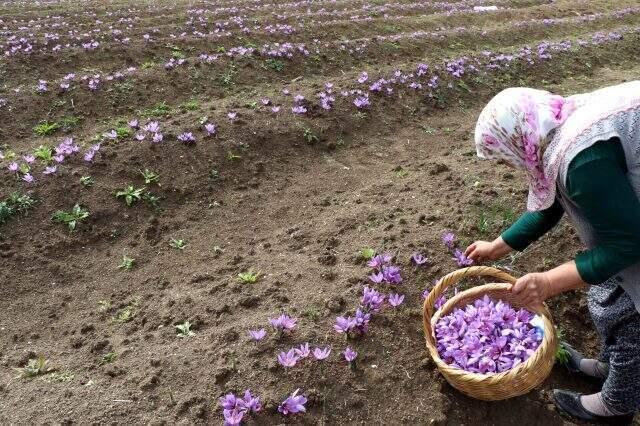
487 336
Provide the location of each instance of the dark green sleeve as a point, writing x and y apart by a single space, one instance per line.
597 183
531 226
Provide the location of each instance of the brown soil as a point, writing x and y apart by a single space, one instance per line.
299 213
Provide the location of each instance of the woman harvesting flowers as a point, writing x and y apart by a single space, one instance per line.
581 156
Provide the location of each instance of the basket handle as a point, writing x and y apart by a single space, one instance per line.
451 279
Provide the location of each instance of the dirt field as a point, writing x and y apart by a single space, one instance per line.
293 196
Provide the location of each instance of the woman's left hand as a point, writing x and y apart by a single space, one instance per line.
532 289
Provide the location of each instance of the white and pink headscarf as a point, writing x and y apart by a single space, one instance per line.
519 124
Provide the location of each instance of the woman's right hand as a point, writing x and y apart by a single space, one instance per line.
481 251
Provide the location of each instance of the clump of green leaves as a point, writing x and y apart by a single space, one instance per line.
178 244
151 199
309 136
275 64
126 314
562 354
130 194
227 77
231 156
105 305
400 172
15 204
108 358
184 329
159 110
62 377
72 218
87 181
367 253
149 176
44 153
46 128
35 367
312 312
191 105
123 132
127 263
248 277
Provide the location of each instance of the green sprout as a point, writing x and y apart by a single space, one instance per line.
184 329
275 64
63 377
123 132
71 219
126 314
309 136
127 263
367 253
151 199
87 181
130 194
6 212
178 244
108 358
231 156
46 128
44 153
105 305
149 176
248 277
21 203
35 367
562 354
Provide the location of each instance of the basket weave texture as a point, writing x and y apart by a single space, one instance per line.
498 386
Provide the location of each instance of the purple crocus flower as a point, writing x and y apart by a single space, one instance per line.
303 350
350 354
28 178
376 277
110 135
362 321
288 359
265 101
187 138
378 261
257 335
298 109
363 77
13 167
233 417
232 115
134 124
371 299
157 137
396 299
321 354
391 274
251 402
344 325
58 158
283 323
361 102
275 109
418 259
210 128
229 401
50 170
461 258
29 158
140 136
449 240
293 404
152 127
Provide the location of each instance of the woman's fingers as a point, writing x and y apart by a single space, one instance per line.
468 252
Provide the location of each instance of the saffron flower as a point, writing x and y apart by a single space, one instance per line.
134 124
110 135
28 178
487 337
391 274
233 417
152 127
13 167
418 259
350 354
232 115
376 277
29 159
396 299
234 408
265 101
210 128
321 354
362 321
275 109
298 109
257 335
293 404
363 77
361 102
157 137
303 350
449 240
283 323
344 325
140 136
461 259
187 138
50 170
288 359
378 261
371 299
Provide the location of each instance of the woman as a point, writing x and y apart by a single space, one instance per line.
581 156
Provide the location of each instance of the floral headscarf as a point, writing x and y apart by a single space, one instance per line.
533 130
515 126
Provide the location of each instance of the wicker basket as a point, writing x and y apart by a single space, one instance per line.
489 387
